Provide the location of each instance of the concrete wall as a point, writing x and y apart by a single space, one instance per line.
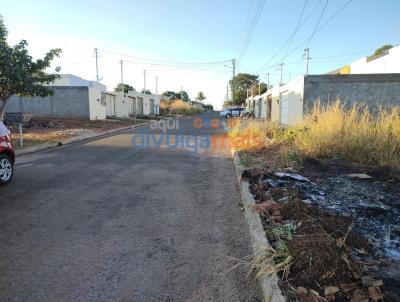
370 89
70 102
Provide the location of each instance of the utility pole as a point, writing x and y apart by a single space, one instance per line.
306 58
144 80
227 93
181 93
267 80
96 53
281 69
97 64
233 79
156 95
122 76
259 88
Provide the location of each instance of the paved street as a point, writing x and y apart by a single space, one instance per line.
103 221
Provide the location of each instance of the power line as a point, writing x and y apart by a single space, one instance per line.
288 40
316 26
296 29
264 67
161 62
257 14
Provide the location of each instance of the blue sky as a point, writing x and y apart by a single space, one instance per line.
198 31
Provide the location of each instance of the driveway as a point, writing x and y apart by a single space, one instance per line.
109 220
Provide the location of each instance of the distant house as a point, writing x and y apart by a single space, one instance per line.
372 80
133 103
73 97
388 62
288 103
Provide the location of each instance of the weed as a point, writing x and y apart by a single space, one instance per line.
330 131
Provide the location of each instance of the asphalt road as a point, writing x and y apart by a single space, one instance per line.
104 220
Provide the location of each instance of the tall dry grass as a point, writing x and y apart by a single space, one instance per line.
332 131
178 107
352 134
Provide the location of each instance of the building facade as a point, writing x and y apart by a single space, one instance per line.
287 104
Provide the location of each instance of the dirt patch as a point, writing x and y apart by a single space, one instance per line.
342 231
42 130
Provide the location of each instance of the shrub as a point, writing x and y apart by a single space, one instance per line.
178 107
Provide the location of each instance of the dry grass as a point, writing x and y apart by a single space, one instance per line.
332 131
178 107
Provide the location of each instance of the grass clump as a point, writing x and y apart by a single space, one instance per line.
330 131
178 107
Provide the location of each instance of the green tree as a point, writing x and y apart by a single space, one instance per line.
171 95
20 74
261 87
183 95
382 50
200 96
123 87
242 83
147 91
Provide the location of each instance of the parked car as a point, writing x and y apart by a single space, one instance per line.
234 112
7 155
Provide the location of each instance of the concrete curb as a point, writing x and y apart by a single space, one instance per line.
46 146
269 284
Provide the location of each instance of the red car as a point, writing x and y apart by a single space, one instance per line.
7 155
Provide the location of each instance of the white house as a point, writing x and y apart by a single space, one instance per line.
133 103
287 104
388 62
73 97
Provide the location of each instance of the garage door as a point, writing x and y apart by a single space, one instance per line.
284 108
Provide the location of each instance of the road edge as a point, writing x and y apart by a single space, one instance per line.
46 146
270 289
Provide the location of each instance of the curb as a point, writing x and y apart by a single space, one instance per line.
46 146
269 284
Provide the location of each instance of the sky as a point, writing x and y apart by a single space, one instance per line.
190 44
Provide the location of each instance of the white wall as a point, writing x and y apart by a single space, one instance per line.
389 63
122 105
97 105
73 80
146 102
292 93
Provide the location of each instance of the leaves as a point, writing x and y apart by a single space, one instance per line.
19 73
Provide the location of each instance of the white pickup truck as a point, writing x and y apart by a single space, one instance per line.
234 112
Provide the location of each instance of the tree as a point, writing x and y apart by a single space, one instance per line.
383 50
171 95
146 91
200 96
183 95
242 83
20 74
261 87
125 88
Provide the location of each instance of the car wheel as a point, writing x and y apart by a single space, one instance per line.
6 169
228 115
